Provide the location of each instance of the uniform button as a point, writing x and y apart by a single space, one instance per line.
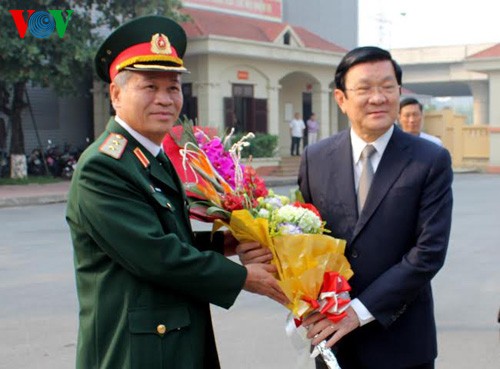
169 206
354 253
161 329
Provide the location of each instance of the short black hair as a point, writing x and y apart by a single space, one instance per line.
410 101
364 54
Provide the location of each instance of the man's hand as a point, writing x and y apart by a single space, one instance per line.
260 280
320 328
253 252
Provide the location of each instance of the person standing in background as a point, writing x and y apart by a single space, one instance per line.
297 127
312 129
411 119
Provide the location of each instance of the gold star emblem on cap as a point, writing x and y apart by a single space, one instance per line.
160 44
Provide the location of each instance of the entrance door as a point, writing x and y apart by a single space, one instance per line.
243 112
190 105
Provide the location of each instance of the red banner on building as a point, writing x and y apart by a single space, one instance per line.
264 9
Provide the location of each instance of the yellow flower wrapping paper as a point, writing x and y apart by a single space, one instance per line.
301 259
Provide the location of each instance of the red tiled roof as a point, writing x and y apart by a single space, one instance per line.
491 52
204 23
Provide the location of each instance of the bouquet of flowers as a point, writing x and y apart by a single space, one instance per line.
215 180
312 268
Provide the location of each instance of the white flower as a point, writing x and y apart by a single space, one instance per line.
303 218
263 213
287 228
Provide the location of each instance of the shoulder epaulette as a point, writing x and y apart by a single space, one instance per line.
114 145
142 158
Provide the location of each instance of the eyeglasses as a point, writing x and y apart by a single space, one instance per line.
366 91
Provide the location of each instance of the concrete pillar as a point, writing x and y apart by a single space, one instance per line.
100 93
494 121
481 104
325 115
210 105
273 108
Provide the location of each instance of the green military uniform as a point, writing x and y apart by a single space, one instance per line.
144 281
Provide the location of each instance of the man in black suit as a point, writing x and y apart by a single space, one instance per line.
392 202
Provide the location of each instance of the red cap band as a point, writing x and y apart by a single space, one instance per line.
158 50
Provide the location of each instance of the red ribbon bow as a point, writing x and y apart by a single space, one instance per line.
329 303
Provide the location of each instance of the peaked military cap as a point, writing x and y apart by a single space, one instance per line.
149 43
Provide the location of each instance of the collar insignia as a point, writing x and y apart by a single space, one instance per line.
142 158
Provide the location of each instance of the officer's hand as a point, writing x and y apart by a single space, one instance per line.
260 280
253 252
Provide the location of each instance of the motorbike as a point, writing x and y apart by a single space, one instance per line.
36 166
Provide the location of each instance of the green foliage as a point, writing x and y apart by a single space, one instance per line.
65 64
62 63
263 145
113 13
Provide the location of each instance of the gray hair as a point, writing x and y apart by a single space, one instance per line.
122 78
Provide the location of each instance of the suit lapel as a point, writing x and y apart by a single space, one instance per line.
343 176
332 180
395 159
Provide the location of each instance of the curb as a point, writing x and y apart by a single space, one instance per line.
32 200
28 200
6 202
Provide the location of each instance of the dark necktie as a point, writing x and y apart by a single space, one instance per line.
168 166
164 162
365 180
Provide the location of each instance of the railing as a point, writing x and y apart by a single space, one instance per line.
469 145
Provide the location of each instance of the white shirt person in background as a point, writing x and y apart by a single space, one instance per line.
410 118
297 127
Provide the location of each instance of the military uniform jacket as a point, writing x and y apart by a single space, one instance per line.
144 281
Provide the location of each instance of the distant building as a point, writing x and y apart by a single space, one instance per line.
252 71
253 64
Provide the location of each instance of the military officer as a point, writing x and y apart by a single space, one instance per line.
144 280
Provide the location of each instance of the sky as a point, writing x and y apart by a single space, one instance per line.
418 23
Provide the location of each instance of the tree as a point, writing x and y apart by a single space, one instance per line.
62 60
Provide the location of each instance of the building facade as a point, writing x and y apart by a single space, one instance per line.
252 71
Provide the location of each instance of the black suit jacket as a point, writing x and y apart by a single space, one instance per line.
395 246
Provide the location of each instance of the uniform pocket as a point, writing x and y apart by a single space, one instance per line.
159 338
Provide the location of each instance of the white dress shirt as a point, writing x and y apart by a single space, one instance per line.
358 145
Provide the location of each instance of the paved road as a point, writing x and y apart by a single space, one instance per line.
38 309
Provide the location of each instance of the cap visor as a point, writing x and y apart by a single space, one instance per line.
156 68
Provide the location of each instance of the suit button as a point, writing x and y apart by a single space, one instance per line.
354 253
161 329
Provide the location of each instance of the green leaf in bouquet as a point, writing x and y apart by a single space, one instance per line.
296 195
187 132
214 210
